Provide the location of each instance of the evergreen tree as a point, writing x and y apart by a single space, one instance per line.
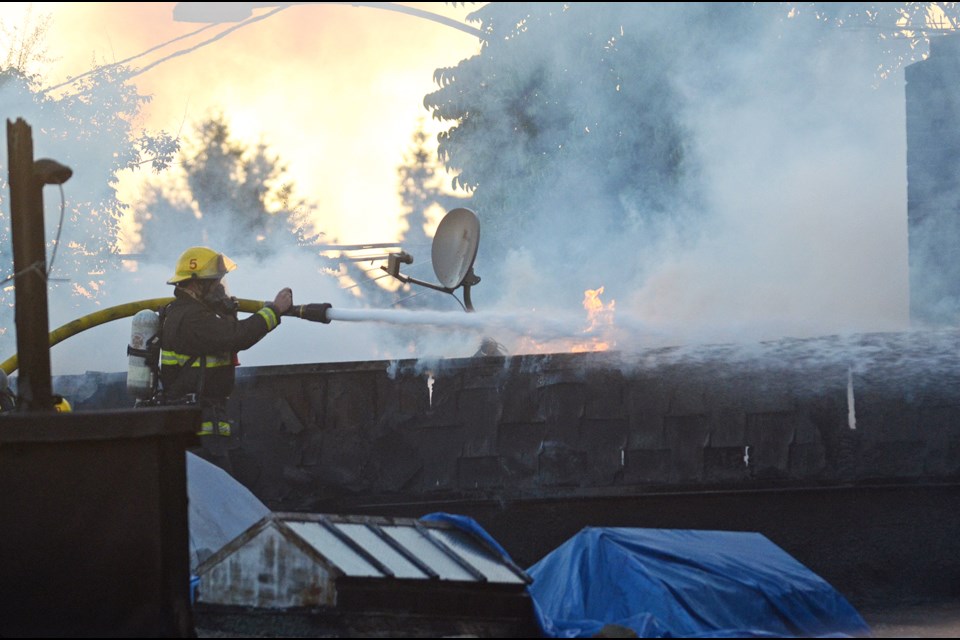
226 193
421 192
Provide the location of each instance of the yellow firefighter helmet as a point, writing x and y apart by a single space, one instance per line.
61 405
201 263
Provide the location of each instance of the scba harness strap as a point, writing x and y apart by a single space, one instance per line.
151 355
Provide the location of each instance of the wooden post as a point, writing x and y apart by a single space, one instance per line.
34 386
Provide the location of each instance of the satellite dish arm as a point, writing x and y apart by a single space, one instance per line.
468 281
393 268
453 252
394 260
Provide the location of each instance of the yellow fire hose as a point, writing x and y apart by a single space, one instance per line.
109 314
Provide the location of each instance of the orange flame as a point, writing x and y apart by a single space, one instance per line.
600 317
599 325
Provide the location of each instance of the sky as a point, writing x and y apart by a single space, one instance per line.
335 90
804 184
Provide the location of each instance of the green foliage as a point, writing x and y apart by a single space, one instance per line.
89 130
902 30
229 194
572 120
421 191
568 113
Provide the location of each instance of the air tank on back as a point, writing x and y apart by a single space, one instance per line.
143 354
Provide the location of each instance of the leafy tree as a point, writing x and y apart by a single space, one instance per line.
226 193
563 103
572 122
901 29
87 127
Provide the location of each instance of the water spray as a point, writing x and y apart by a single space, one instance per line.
521 323
453 253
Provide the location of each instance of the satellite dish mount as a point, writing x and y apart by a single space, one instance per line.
454 250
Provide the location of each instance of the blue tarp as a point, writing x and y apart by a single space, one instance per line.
684 583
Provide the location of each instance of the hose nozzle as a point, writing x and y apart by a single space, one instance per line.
316 312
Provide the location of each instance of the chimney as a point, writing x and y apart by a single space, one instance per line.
933 183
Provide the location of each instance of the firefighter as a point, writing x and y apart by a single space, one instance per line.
200 336
9 402
61 404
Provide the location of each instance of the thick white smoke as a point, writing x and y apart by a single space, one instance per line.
805 169
803 232
802 155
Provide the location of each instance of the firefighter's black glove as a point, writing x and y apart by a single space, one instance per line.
316 312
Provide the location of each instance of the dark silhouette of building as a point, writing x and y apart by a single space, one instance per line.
933 188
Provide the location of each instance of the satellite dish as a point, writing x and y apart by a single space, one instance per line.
455 247
454 250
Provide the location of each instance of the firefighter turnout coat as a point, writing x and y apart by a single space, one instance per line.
199 347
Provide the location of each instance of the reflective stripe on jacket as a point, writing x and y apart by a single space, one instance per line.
199 346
